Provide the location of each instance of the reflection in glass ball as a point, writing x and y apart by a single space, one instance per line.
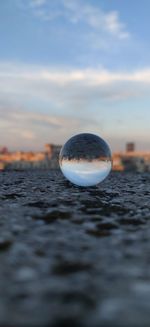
85 159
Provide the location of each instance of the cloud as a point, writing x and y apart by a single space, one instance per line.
22 129
81 12
69 91
43 104
96 18
63 84
37 3
67 75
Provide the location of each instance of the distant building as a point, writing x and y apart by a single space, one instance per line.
130 147
3 150
117 162
2 166
49 148
48 159
131 160
134 164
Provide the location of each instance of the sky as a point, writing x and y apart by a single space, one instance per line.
72 66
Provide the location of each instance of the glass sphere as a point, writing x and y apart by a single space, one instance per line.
85 159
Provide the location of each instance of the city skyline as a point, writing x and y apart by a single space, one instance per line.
72 66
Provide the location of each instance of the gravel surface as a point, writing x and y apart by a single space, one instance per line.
74 257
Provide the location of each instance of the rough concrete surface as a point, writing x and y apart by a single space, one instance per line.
73 256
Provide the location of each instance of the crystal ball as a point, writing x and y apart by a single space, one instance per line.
85 159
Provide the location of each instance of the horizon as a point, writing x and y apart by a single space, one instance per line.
73 66
34 150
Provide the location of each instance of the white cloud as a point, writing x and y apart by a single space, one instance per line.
114 26
37 3
80 11
13 73
55 104
96 18
45 80
69 91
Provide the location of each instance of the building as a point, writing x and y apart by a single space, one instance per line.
48 159
131 160
117 162
133 164
130 147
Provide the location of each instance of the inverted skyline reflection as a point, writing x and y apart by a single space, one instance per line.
85 159
85 173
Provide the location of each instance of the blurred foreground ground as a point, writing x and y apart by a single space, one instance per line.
71 256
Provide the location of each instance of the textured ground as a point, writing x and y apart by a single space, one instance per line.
71 256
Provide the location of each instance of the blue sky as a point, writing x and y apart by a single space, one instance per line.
69 66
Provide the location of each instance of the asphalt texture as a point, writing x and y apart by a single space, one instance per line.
71 256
